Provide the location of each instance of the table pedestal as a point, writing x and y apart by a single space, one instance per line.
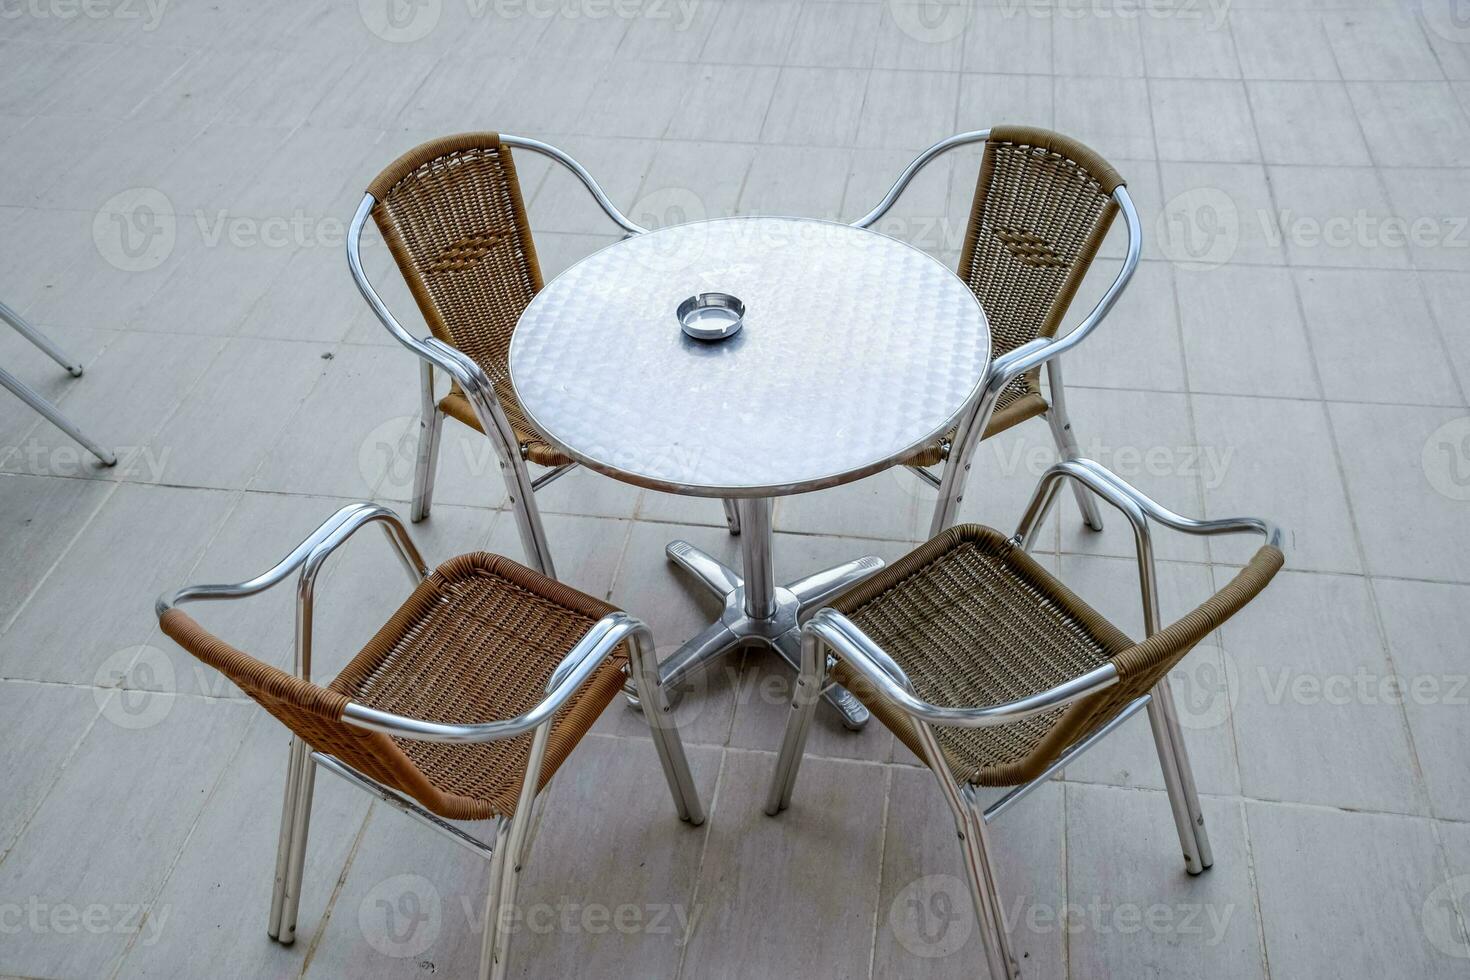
756 609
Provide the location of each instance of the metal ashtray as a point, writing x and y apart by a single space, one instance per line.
711 316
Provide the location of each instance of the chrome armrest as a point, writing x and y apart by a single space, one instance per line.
1035 353
1139 509
844 637
909 172
566 160
1134 503
595 646
308 556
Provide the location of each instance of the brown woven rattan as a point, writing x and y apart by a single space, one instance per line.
452 215
974 620
1043 203
475 642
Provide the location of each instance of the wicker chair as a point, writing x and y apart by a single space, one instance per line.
455 221
996 674
1043 203
487 672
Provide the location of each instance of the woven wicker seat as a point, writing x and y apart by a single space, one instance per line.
973 619
994 673
475 642
1043 203
487 672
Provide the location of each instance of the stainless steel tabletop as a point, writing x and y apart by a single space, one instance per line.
856 350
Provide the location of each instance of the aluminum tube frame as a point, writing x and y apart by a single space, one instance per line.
39 403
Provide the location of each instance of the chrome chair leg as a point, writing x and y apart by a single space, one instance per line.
41 341
806 692
528 522
732 516
1066 440
53 415
658 713
426 464
492 931
980 869
1189 819
283 842
296 854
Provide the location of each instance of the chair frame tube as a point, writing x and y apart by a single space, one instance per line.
829 629
40 404
512 834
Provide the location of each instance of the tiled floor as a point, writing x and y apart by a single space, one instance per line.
177 176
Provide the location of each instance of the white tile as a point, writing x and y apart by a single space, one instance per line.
178 758
1309 724
1448 294
1347 313
1406 477
1380 45
1199 119
1196 44
1282 44
815 106
926 920
1096 45
807 181
1337 217
1431 211
1307 123
815 868
1273 458
1108 114
1230 315
1337 877
919 37
1205 925
1216 213
835 35
1412 124
907 109
725 102
1421 621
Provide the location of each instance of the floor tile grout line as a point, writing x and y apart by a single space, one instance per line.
219 780
337 887
710 817
1250 864
882 855
1421 781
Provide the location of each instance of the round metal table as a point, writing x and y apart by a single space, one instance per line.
855 350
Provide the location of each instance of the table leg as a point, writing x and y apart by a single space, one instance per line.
756 609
